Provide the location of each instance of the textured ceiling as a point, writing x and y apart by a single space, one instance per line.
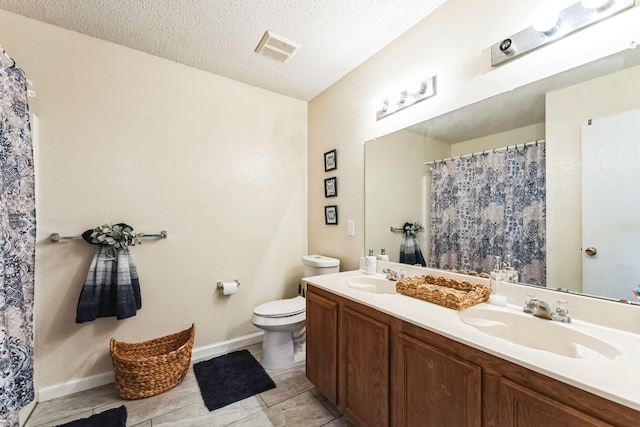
220 35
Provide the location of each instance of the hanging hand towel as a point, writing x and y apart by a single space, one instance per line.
112 287
410 252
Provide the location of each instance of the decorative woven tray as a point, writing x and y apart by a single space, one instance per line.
442 291
471 273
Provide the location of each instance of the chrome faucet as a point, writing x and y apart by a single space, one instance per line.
393 275
540 309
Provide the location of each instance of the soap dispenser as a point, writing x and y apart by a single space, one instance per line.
495 278
383 255
509 273
370 263
512 273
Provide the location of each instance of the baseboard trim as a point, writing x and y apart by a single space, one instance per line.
74 386
198 353
225 346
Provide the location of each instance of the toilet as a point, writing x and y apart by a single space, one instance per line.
284 318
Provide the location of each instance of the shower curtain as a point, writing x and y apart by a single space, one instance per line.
17 244
487 205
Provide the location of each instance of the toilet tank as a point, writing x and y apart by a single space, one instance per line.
315 265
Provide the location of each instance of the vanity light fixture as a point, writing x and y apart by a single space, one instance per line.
553 26
423 90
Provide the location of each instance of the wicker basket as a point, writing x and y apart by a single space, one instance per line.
442 291
151 367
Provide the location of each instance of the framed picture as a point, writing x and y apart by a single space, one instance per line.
330 160
331 187
331 215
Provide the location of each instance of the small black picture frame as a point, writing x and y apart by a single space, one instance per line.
331 187
331 215
330 160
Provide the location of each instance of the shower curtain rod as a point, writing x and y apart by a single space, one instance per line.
495 150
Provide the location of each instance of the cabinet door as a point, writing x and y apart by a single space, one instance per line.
364 377
322 345
434 388
523 407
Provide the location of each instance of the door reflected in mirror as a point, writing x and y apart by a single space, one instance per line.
611 207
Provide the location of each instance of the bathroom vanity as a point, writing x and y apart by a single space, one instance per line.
388 359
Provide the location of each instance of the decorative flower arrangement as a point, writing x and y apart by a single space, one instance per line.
116 235
412 228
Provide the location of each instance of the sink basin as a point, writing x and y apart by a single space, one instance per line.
373 284
540 334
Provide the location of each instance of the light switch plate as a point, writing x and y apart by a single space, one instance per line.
351 228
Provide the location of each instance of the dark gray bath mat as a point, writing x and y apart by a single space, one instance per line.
231 377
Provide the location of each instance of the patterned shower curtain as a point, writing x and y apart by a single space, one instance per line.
17 244
487 205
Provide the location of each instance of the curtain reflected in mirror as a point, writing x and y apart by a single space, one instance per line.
490 206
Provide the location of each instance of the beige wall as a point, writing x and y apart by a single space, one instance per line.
125 136
566 110
452 43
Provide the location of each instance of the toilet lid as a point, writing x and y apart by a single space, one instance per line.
281 307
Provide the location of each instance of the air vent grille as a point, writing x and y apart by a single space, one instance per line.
276 47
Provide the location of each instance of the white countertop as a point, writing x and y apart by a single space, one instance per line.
615 379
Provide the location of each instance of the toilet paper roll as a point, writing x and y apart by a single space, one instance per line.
229 288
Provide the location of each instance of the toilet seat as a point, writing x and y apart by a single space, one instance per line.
281 308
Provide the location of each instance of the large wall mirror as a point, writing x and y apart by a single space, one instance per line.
555 109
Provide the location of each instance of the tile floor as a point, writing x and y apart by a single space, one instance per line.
294 402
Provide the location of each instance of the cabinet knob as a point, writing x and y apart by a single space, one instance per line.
591 251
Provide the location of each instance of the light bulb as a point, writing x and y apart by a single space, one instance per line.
547 21
403 98
379 104
596 4
417 89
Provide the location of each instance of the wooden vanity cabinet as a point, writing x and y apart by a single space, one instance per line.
363 366
510 395
348 356
379 370
432 387
523 407
322 344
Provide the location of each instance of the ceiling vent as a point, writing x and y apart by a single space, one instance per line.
276 47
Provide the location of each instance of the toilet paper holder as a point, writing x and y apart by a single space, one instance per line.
219 284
